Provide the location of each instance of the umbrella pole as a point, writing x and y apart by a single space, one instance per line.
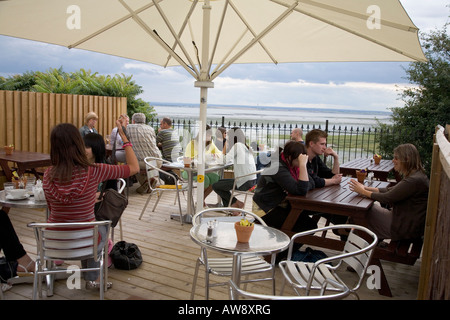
203 84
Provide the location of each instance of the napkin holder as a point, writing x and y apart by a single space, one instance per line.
38 191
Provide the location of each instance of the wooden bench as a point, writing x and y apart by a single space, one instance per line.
403 251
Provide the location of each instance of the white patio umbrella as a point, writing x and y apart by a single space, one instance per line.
206 37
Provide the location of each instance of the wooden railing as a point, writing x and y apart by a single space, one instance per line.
27 118
434 281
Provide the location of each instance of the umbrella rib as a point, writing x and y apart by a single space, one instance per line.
358 34
113 24
353 14
183 26
228 53
219 30
177 39
158 39
252 32
269 28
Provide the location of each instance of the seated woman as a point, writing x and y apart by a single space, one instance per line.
408 199
210 149
70 185
14 252
288 175
243 163
96 153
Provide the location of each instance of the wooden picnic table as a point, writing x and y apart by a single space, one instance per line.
26 161
381 171
335 199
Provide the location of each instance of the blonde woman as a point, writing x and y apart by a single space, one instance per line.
89 124
405 219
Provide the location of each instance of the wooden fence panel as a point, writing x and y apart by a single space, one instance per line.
434 281
27 118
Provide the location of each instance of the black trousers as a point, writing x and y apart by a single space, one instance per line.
9 241
276 217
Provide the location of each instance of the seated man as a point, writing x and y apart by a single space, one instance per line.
169 143
297 135
316 145
143 138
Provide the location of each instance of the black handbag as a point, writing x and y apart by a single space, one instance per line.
126 256
111 206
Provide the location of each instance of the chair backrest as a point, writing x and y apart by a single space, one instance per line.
67 241
121 184
153 170
236 292
361 249
224 214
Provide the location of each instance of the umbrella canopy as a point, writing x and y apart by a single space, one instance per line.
205 37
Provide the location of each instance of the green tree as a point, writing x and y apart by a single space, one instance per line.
22 82
427 104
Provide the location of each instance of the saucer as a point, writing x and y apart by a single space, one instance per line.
9 197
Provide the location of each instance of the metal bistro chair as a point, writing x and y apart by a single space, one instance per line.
66 241
223 266
236 292
235 191
153 174
310 276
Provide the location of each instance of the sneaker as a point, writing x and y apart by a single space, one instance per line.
143 188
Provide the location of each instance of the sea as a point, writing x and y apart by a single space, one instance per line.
266 114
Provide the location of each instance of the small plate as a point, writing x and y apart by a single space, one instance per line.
26 196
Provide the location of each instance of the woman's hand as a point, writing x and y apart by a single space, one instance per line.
355 186
302 160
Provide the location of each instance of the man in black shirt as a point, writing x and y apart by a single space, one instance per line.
316 145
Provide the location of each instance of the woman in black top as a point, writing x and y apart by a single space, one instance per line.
287 176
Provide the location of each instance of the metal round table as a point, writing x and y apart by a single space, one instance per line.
26 203
263 241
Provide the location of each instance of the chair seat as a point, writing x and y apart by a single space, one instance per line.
300 273
224 266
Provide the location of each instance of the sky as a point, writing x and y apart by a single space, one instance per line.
357 85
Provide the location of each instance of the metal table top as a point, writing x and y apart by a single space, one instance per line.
26 203
263 241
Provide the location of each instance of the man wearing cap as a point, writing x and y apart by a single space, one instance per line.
89 124
143 139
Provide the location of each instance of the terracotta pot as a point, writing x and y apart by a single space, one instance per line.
377 159
9 150
361 176
243 233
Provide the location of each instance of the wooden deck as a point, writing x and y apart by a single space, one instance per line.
169 260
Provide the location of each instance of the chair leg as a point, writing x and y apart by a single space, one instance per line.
194 281
179 208
102 281
121 230
157 201
145 206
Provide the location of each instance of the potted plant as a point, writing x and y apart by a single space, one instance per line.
244 230
361 175
9 149
377 158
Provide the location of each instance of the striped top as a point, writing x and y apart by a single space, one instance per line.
74 202
170 144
